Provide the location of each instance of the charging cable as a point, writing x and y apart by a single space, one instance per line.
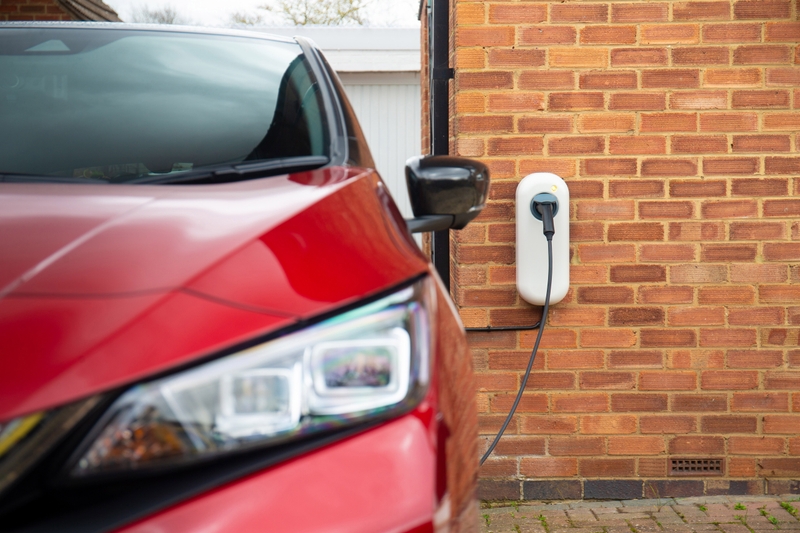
544 207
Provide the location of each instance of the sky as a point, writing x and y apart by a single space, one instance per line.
402 13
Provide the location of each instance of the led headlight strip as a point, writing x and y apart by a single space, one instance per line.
344 370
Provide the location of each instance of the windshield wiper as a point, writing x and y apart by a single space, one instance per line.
227 174
19 177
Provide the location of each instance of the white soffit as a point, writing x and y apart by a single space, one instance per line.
358 49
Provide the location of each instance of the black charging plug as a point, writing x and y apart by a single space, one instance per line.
544 207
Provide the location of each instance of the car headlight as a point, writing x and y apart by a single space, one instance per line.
339 372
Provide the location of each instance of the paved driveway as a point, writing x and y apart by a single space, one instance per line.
727 514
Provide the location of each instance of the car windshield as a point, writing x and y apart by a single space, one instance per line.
133 105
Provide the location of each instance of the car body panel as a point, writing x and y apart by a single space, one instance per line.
178 278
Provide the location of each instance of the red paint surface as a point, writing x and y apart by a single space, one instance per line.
380 481
126 281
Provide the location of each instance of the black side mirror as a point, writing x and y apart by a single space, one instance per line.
445 191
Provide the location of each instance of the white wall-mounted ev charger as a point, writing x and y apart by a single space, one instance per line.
532 263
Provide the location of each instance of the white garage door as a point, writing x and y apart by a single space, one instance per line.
388 107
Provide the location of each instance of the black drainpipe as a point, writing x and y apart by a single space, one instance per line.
440 75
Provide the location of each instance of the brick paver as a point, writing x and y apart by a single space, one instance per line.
720 514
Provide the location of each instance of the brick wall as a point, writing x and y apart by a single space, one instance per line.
674 124
32 10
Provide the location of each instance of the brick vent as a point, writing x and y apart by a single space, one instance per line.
696 467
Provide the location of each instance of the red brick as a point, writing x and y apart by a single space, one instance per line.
728 379
758 316
485 80
730 165
515 58
667 424
760 401
669 167
485 254
588 274
782 165
649 12
496 382
760 187
638 57
726 295
774 467
549 380
666 253
666 209
727 252
606 253
697 445
609 167
606 380
580 403
515 145
608 35
607 338
516 13
607 122
629 316
755 445
653 467
639 101
638 273
636 188
699 402
725 77
696 316
782 31
696 231
728 122
549 424
561 167
782 121
586 231
761 9
499 467
782 251
782 381
545 124
694 11
575 101
554 338
665 295
605 295
670 33
577 359
637 144
784 76
668 122
548 35
579 13
608 80
635 359
699 144
761 143
485 36
786 424
485 124
729 424
667 380
699 100
670 78
576 145
729 209
781 208
636 402
578 57
530 403
548 467
697 189
608 424
731 33
761 54
607 468
668 337
605 210
779 337
636 231
769 99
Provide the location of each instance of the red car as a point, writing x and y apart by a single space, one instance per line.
212 315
